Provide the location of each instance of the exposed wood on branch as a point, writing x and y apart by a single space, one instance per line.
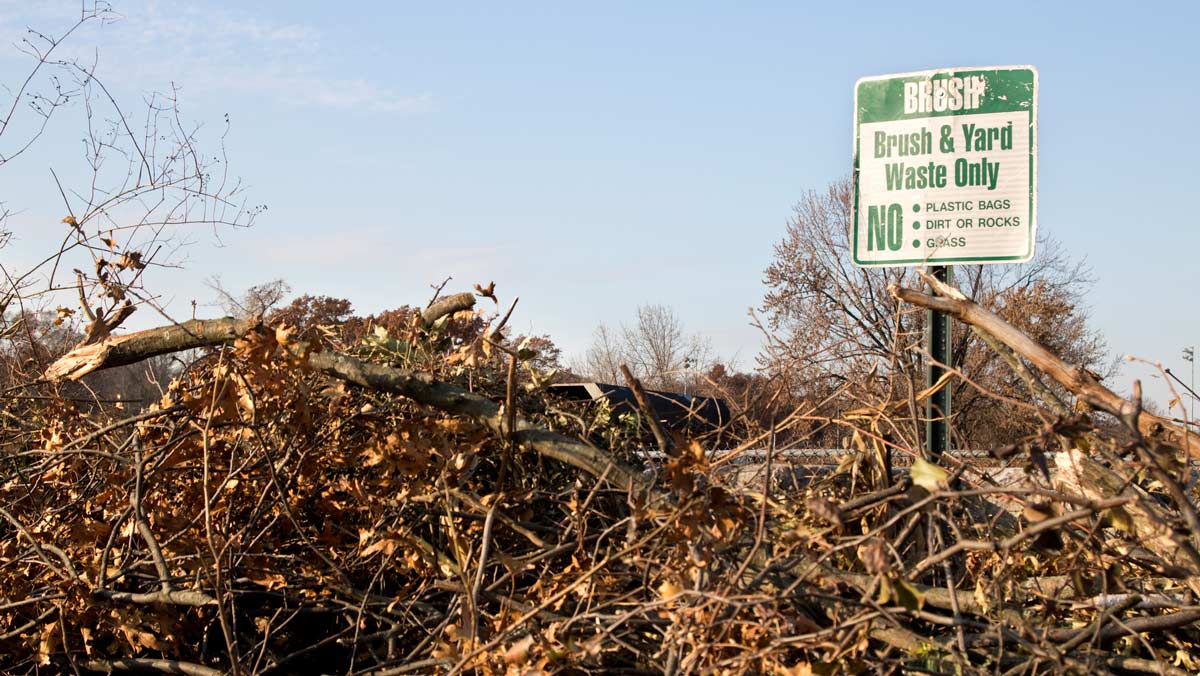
168 596
102 326
447 306
1076 473
134 347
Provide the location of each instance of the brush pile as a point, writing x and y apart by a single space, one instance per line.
413 503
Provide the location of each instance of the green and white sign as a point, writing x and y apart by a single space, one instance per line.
945 167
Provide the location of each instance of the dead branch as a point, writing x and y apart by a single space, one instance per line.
1144 666
138 346
339 558
168 596
1139 625
151 666
426 390
1077 380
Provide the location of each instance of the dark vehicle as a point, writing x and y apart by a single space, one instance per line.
677 412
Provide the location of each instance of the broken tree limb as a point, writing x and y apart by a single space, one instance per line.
420 387
447 306
1035 384
140 345
1076 473
1144 517
169 597
1079 381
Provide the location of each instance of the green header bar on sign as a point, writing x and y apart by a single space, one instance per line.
958 92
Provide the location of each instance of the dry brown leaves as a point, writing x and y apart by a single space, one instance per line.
321 527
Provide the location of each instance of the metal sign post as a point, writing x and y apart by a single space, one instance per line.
940 348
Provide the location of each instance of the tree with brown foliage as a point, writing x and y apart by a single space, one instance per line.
831 320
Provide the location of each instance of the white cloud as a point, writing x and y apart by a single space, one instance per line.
302 87
360 94
210 51
207 25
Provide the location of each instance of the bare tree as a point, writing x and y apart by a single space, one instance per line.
257 300
659 352
656 348
602 360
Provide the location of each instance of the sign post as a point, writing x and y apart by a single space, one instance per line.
945 173
939 345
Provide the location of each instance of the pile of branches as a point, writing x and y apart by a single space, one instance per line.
410 504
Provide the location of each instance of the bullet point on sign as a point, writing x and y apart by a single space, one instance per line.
917 243
916 225
916 207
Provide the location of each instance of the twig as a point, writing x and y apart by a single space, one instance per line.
504 320
1009 543
32 624
1144 666
1093 630
1139 625
665 445
484 550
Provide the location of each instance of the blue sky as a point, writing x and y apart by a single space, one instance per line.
591 158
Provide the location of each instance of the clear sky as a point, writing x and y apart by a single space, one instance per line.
591 158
